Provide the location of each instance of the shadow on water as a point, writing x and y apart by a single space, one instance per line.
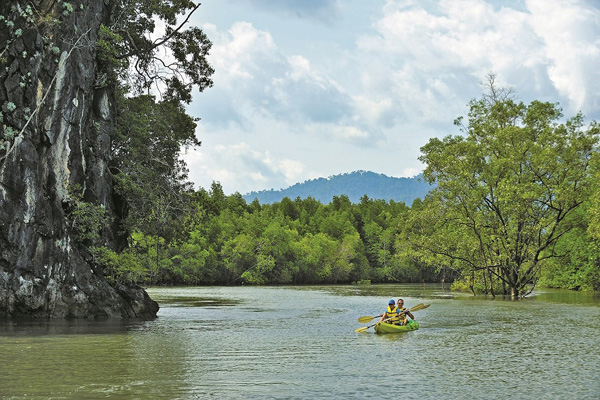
199 302
187 297
50 327
565 297
443 292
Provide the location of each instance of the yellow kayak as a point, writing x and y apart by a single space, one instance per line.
382 327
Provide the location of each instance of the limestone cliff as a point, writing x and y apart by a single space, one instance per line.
55 126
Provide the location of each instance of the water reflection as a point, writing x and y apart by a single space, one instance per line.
36 327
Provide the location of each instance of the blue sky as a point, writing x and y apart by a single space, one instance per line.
313 88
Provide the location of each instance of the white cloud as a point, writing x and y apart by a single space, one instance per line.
239 167
299 67
241 53
434 59
255 82
284 111
565 27
411 172
432 55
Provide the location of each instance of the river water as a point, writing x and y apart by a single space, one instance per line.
299 343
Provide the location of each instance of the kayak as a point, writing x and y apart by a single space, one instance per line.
382 327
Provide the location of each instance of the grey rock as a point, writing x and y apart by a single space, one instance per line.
44 272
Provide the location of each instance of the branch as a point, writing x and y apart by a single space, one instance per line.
161 41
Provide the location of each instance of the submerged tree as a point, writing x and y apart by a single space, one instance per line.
507 190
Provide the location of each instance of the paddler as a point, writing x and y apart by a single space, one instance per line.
402 313
390 316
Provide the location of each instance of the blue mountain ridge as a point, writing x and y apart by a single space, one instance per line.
354 184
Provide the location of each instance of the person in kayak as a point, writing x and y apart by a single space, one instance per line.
402 313
390 316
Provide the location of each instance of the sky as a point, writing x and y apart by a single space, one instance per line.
313 88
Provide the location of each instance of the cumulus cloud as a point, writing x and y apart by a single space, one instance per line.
240 54
565 28
240 167
254 80
432 56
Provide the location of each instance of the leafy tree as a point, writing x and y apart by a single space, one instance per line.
289 208
173 61
594 207
240 258
153 197
135 57
579 266
121 268
508 188
151 179
318 259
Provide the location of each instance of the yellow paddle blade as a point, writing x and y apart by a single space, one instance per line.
419 306
363 329
362 320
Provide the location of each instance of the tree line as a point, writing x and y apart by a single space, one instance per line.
515 204
222 240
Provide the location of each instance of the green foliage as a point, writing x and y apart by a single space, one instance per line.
578 267
120 269
108 55
226 241
594 206
150 176
507 191
86 220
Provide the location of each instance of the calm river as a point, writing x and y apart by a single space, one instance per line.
299 343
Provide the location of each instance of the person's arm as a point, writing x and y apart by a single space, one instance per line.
410 315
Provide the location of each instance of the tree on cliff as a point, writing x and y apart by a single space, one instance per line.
507 191
63 66
150 175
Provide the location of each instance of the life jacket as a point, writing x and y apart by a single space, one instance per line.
401 315
392 313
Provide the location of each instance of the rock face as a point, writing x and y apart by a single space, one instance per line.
57 118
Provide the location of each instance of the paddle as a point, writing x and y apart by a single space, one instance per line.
418 307
364 328
366 319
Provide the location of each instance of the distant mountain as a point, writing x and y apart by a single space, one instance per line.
354 184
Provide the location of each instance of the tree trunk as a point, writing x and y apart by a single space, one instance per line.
55 132
514 293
